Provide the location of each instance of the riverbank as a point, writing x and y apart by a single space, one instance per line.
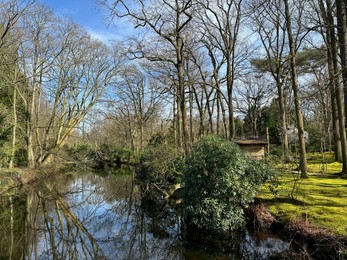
12 179
305 239
311 213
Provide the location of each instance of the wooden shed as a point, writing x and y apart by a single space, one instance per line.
254 148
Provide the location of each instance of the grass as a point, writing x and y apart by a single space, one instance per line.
320 199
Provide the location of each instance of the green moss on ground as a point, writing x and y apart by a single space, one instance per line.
321 199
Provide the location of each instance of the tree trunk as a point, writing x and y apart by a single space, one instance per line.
185 132
191 123
295 87
29 143
331 51
225 127
339 92
178 120
336 127
175 118
218 112
14 129
327 15
230 100
281 105
209 108
182 99
342 37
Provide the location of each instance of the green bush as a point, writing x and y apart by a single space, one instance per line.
219 182
276 152
161 163
102 156
124 155
81 152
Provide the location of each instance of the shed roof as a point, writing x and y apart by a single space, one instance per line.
251 142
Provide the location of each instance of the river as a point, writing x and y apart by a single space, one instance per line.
93 216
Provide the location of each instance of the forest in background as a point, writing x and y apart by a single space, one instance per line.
196 67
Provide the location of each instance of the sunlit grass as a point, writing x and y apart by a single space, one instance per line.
321 199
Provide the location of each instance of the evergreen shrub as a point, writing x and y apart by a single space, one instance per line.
219 183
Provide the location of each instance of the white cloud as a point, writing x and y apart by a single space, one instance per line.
118 32
104 36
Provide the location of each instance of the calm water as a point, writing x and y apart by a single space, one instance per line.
88 216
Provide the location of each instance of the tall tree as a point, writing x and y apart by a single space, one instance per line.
166 22
36 52
295 87
66 71
268 23
341 17
137 101
325 10
221 20
202 88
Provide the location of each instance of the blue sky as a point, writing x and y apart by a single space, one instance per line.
87 14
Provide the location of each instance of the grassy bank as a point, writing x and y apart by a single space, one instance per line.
320 200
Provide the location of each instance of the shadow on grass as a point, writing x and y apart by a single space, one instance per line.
332 176
328 204
284 200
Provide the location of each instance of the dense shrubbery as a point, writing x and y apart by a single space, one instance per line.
161 163
219 182
125 155
160 169
81 152
103 156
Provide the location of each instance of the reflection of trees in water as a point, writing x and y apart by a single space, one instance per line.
93 217
88 217
12 219
54 230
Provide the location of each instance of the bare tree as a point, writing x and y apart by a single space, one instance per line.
267 17
166 23
35 57
11 11
138 102
327 13
66 72
202 90
217 60
221 20
341 17
252 95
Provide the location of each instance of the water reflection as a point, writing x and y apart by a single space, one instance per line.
88 216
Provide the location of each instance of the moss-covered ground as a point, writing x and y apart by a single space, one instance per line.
321 199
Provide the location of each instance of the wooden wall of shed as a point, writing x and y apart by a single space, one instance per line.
254 151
